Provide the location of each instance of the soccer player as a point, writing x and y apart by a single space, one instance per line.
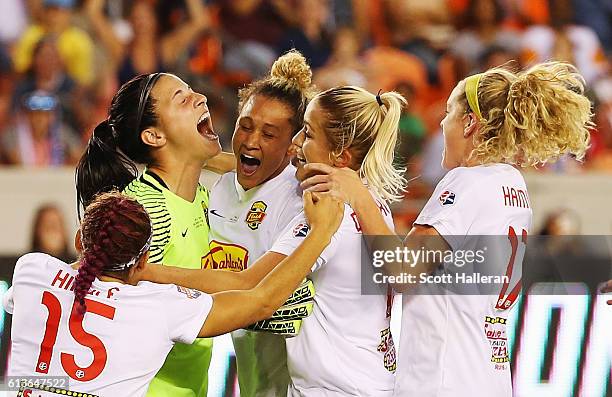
94 322
250 208
495 121
159 121
345 347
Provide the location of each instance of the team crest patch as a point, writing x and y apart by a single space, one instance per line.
191 293
256 215
447 198
300 230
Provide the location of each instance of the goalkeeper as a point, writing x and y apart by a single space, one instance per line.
248 211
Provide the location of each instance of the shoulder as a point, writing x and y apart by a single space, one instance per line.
474 182
145 192
76 34
35 263
224 184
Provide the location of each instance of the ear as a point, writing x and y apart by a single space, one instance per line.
344 159
78 243
136 271
471 126
153 137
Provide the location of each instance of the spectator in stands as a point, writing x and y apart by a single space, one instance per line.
74 45
310 36
421 28
344 66
37 138
47 73
13 20
412 131
252 30
600 153
6 89
562 222
481 29
49 234
147 51
563 40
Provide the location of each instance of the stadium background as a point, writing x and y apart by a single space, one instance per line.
62 60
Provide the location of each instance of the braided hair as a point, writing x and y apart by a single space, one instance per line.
115 233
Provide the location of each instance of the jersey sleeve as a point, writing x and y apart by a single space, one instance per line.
292 208
186 311
293 235
452 208
27 266
154 202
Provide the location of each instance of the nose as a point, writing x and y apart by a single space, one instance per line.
200 99
298 139
296 144
251 141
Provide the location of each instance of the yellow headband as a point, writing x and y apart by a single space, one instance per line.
471 92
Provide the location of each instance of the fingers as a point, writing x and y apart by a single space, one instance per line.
308 200
319 168
315 180
321 188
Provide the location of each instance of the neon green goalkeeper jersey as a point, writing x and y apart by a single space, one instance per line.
180 238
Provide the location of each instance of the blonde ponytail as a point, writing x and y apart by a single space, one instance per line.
356 120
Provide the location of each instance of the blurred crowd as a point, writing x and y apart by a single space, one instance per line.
61 61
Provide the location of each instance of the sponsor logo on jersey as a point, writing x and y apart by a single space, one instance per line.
191 293
447 198
495 332
256 215
226 256
300 230
387 347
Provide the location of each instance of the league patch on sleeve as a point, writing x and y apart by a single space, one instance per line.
447 198
191 293
301 230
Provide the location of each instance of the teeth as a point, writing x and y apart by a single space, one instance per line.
249 157
203 117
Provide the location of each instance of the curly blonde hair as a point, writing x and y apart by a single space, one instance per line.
531 117
289 81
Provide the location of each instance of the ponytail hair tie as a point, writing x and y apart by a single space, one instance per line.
380 102
111 124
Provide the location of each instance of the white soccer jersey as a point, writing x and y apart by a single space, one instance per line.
120 343
456 345
344 347
243 227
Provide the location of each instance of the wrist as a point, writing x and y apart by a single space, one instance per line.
321 234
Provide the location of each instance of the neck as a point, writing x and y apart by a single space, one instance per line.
181 177
104 277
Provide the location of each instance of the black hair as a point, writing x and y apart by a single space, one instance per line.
115 145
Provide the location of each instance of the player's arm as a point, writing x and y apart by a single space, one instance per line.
210 280
221 163
345 185
236 309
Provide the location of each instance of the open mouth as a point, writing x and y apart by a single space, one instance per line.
205 127
249 164
298 160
